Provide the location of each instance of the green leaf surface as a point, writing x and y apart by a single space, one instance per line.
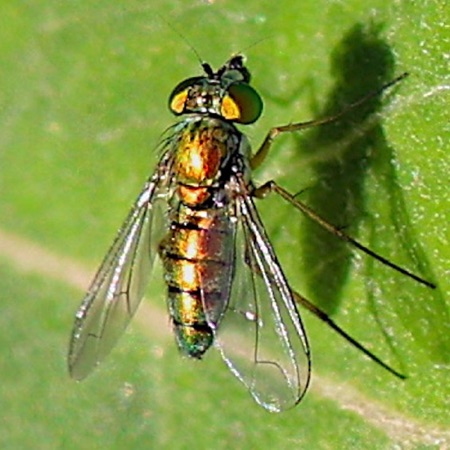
83 103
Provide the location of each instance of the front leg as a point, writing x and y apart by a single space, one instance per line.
263 150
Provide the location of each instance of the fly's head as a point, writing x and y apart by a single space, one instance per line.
226 93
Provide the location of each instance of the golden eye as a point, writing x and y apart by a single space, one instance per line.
230 109
178 97
177 102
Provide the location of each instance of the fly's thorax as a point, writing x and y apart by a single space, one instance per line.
202 149
198 255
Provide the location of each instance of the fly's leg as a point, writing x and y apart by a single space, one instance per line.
271 186
262 152
324 317
261 191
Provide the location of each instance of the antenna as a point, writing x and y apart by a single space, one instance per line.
185 40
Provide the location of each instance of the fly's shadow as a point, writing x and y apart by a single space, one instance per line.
357 153
362 62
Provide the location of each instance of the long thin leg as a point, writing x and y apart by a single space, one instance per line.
262 152
271 186
325 318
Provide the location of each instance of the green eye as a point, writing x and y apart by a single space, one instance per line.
243 105
179 94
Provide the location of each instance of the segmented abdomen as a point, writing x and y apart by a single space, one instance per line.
197 255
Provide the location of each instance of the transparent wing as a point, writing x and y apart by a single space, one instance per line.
261 337
120 282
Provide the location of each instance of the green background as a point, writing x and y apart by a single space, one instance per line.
83 102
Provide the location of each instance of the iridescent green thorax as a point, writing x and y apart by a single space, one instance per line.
202 149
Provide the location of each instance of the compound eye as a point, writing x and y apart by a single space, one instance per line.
242 104
177 98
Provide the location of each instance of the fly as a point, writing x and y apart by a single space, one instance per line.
222 275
